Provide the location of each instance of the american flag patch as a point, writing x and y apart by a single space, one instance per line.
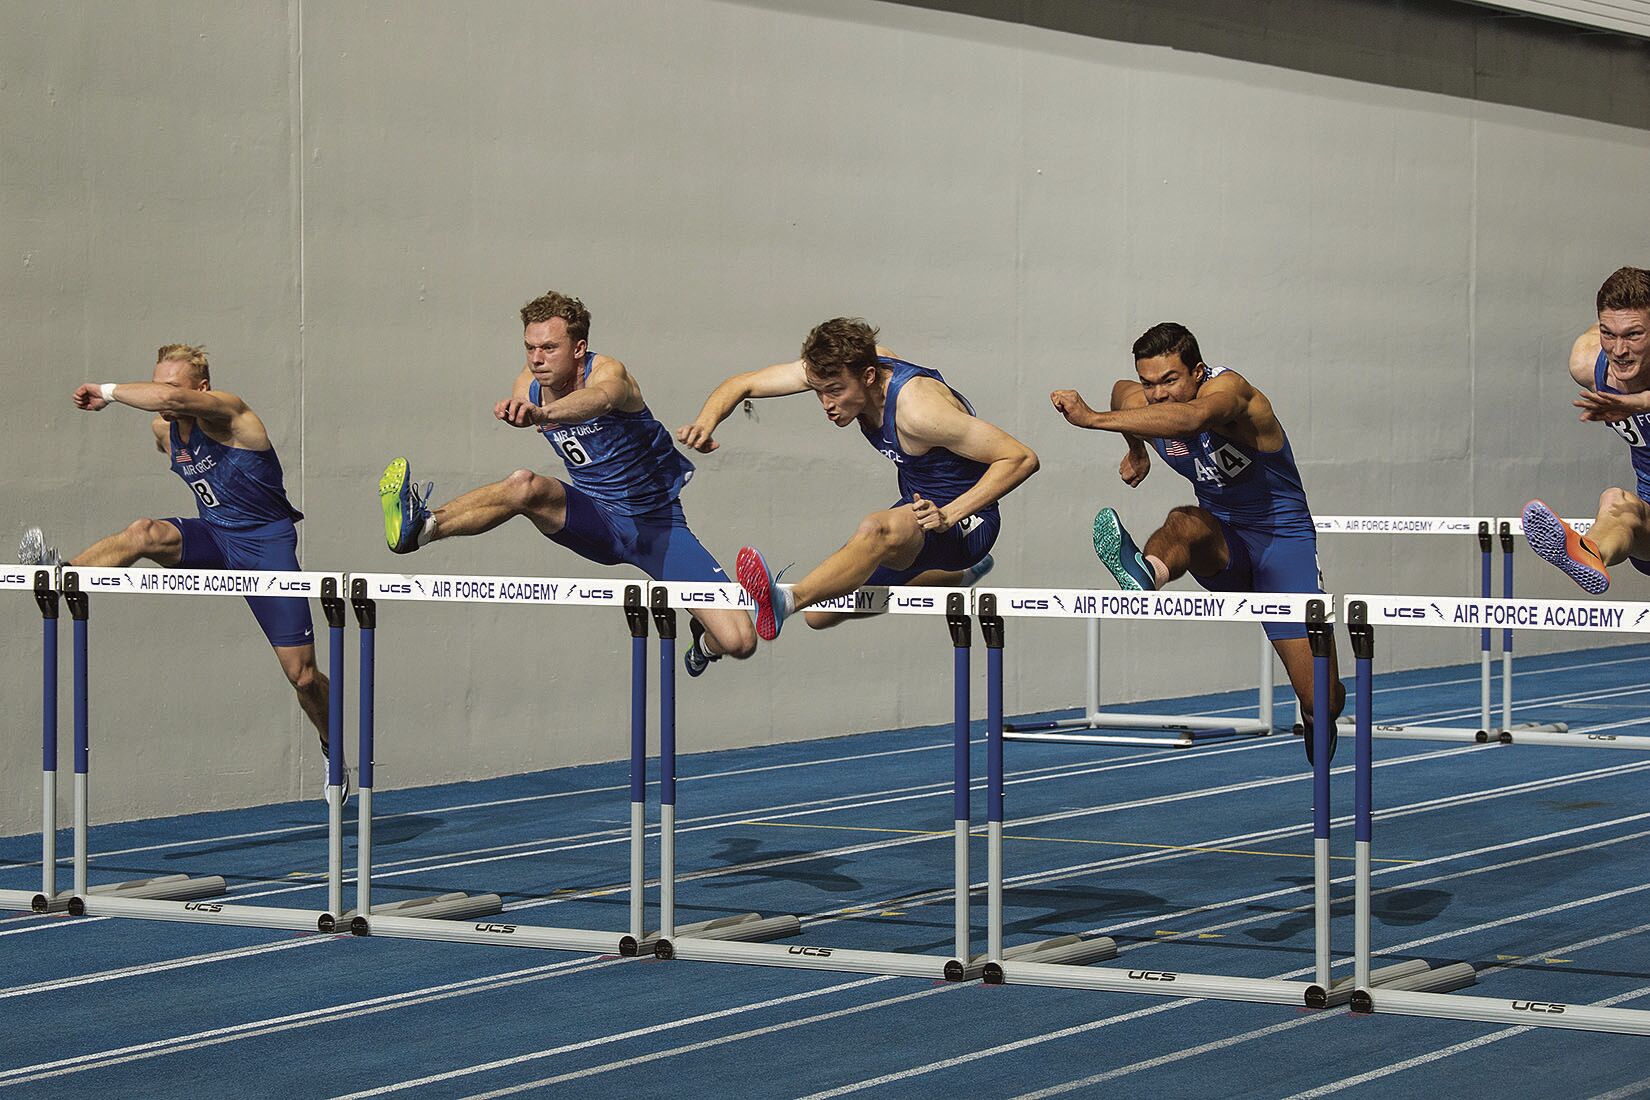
183 456
1177 448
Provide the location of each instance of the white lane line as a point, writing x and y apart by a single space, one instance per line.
253 1029
1465 1047
569 1048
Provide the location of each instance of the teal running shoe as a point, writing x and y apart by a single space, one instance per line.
1118 553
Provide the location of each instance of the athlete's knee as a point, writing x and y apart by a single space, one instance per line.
880 531
530 491
1620 502
303 676
149 535
735 636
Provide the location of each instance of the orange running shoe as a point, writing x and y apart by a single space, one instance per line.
1559 543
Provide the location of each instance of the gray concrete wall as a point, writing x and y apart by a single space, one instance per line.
347 203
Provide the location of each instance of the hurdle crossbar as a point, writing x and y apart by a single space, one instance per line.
1316 613
1363 614
963 963
179 897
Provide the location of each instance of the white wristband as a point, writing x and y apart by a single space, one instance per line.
107 390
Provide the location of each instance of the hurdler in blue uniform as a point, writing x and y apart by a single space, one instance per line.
1251 530
952 468
220 449
620 503
1611 364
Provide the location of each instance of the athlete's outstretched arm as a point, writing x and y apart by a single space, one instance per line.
779 380
1219 401
210 405
610 387
932 419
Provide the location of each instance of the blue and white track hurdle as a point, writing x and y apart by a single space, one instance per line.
954 605
1485 530
177 897
994 605
443 917
1363 615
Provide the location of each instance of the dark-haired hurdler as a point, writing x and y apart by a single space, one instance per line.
1251 529
1611 364
621 501
221 450
953 468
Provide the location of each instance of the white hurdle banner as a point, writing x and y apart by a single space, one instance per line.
177 897
1364 614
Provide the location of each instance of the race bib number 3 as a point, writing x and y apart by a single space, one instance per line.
1629 430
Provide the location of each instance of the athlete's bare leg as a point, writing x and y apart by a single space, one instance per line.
1622 529
891 537
1296 654
1190 541
543 500
728 633
154 539
298 662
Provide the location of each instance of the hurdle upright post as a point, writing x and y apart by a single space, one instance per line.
957 621
332 606
1322 641
635 613
41 581
1363 752
991 629
46 598
1485 724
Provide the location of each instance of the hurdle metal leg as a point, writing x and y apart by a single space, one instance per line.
173 897
1188 729
46 899
960 965
736 926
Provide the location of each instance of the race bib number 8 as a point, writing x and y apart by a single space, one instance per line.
204 491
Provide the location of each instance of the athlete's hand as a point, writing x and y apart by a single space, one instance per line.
89 398
929 516
1072 407
1604 407
519 413
698 438
1136 464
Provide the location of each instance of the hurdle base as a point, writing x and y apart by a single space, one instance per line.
1396 976
1540 727
1494 1010
33 901
1069 950
811 957
491 933
1405 732
1159 983
198 912
456 905
160 888
749 927
1189 729
1566 739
